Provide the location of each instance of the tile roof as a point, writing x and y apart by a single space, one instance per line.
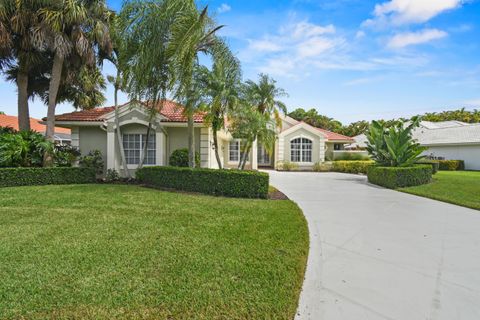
329 134
35 125
172 111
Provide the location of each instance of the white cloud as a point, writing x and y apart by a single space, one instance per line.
472 103
265 45
400 12
406 39
224 8
360 34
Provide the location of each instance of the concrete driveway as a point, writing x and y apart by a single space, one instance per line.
382 254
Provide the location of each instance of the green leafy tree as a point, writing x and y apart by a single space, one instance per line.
394 146
313 118
71 31
221 86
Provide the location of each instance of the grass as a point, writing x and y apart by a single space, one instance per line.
126 252
457 187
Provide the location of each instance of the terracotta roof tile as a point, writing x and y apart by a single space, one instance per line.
331 135
35 125
171 110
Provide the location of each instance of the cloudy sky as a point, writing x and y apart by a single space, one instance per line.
349 59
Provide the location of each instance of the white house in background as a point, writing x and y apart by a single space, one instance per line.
451 140
95 130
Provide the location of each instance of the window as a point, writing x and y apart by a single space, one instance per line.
301 150
133 145
263 155
337 146
235 150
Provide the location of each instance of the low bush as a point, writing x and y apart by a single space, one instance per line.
354 166
322 166
398 177
93 160
451 165
229 183
352 156
286 165
179 158
10 177
434 163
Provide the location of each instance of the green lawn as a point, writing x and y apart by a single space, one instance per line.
126 252
457 187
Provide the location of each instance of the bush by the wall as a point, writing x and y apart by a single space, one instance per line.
179 158
399 177
10 177
354 166
451 165
350 156
229 183
285 165
434 163
322 166
93 160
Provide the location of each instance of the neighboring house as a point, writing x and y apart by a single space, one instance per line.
95 129
62 135
451 140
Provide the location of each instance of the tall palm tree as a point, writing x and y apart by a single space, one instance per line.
222 89
192 33
17 53
73 30
262 98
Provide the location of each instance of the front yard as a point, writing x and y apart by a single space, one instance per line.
457 187
115 251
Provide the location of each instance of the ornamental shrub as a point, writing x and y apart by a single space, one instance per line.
451 165
434 163
354 166
229 183
179 158
93 160
286 165
399 177
10 177
322 166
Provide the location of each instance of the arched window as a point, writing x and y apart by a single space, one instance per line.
301 150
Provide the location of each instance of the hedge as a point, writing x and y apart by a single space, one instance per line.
229 183
399 177
354 166
451 165
434 163
11 177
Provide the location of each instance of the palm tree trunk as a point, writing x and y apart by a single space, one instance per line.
191 140
215 146
23 112
52 95
246 156
119 132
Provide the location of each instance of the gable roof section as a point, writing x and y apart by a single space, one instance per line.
329 136
35 124
172 111
464 134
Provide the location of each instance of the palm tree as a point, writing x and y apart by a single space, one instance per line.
17 53
263 99
73 30
192 33
221 87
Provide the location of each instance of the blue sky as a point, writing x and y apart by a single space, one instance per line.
349 59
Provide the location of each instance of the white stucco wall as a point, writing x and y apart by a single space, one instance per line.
468 153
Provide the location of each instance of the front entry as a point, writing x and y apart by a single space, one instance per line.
263 157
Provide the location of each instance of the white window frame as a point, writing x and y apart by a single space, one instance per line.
142 138
302 149
239 151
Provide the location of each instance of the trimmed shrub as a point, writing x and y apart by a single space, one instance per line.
354 166
451 165
10 177
435 165
399 177
286 165
229 183
179 158
351 156
322 166
93 160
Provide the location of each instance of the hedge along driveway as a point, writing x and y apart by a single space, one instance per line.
10 177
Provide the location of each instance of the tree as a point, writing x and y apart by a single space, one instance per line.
394 146
192 33
147 58
355 128
73 30
313 118
261 98
17 51
221 86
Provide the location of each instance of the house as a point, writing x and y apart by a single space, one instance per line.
95 129
62 135
450 140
